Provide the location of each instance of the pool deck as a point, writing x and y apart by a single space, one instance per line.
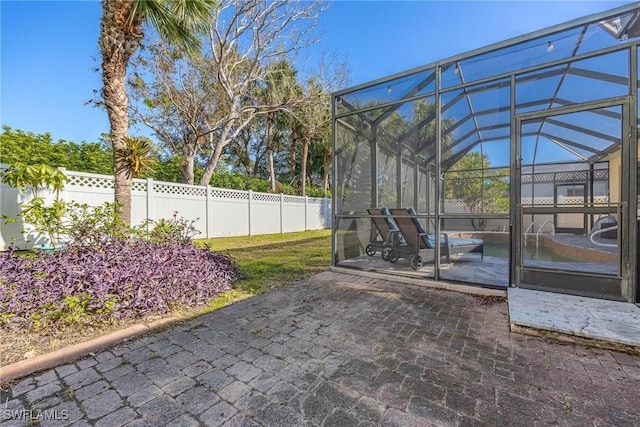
583 242
493 271
467 268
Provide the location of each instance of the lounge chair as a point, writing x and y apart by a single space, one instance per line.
418 239
386 231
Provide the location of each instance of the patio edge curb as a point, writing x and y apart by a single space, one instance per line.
76 351
566 337
425 283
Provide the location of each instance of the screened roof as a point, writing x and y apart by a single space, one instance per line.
551 68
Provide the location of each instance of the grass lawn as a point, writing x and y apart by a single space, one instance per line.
276 259
266 261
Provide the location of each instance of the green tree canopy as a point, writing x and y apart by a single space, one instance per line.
483 190
18 146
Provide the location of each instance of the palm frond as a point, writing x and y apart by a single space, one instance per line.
178 22
135 156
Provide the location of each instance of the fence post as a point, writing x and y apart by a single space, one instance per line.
249 207
327 213
207 211
281 213
149 199
306 208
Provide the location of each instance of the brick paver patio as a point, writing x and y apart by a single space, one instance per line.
339 350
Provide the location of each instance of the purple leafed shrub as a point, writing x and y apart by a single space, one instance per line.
117 281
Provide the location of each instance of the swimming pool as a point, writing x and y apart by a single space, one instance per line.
541 253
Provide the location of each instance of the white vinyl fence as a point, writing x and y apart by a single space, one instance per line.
218 212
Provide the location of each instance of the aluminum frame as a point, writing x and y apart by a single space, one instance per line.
511 79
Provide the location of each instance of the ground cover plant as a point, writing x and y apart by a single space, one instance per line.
264 262
120 281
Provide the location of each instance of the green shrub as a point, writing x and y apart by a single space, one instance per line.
176 230
237 181
47 219
87 226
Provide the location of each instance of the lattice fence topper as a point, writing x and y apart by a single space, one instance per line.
544 201
314 201
579 200
219 193
527 201
601 200
564 200
293 199
139 185
566 177
184 190
90 181
454 202
263 197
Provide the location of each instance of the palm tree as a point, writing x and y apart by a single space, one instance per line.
121 30
314 115
280 89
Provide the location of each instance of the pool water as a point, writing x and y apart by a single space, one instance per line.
531 253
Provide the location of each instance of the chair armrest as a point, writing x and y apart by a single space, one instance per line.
420 236
394 238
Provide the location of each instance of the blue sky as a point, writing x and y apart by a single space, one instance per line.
48 49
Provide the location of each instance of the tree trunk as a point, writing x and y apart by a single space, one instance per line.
212 161
271 167
269 138
187 169
328 152
292 154
303 163
116 51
